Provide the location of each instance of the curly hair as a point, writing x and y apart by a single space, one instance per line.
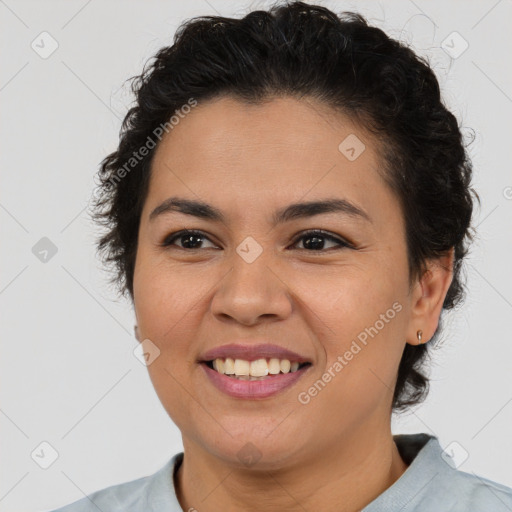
302 50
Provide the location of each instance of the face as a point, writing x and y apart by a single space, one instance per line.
315 295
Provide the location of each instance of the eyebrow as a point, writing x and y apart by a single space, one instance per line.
291 212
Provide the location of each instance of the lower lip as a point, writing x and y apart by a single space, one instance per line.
253 389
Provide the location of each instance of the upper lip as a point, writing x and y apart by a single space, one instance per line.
251 353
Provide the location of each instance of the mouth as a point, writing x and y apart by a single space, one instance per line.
253 380
254 371
259 369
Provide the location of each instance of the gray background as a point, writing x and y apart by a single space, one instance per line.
69 376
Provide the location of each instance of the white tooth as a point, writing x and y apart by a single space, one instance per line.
242 367
259 368
218 364
285 365
274 366
229 366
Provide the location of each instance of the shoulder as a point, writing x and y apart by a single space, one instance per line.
471 492
434 482
143 493
451 489
126 496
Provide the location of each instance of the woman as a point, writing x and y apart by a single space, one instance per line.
288 210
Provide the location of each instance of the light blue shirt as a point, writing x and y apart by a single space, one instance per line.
430 484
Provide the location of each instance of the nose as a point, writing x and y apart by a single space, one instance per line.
251 293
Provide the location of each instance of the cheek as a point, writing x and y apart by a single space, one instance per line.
163 297
166 305
366 338
169 306
346 298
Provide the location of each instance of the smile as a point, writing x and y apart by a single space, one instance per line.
256 379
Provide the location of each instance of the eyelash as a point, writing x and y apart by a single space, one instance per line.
168 242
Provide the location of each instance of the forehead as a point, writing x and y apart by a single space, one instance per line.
247 156
227 128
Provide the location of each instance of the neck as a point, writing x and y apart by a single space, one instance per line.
345 479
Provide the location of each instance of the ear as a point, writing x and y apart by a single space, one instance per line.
136 330
428 297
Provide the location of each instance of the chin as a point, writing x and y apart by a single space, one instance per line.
253 447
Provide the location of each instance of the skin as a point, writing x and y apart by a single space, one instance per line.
335 453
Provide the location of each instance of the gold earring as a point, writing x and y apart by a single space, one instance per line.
419 334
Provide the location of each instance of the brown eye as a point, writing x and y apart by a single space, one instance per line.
315 241
189 238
